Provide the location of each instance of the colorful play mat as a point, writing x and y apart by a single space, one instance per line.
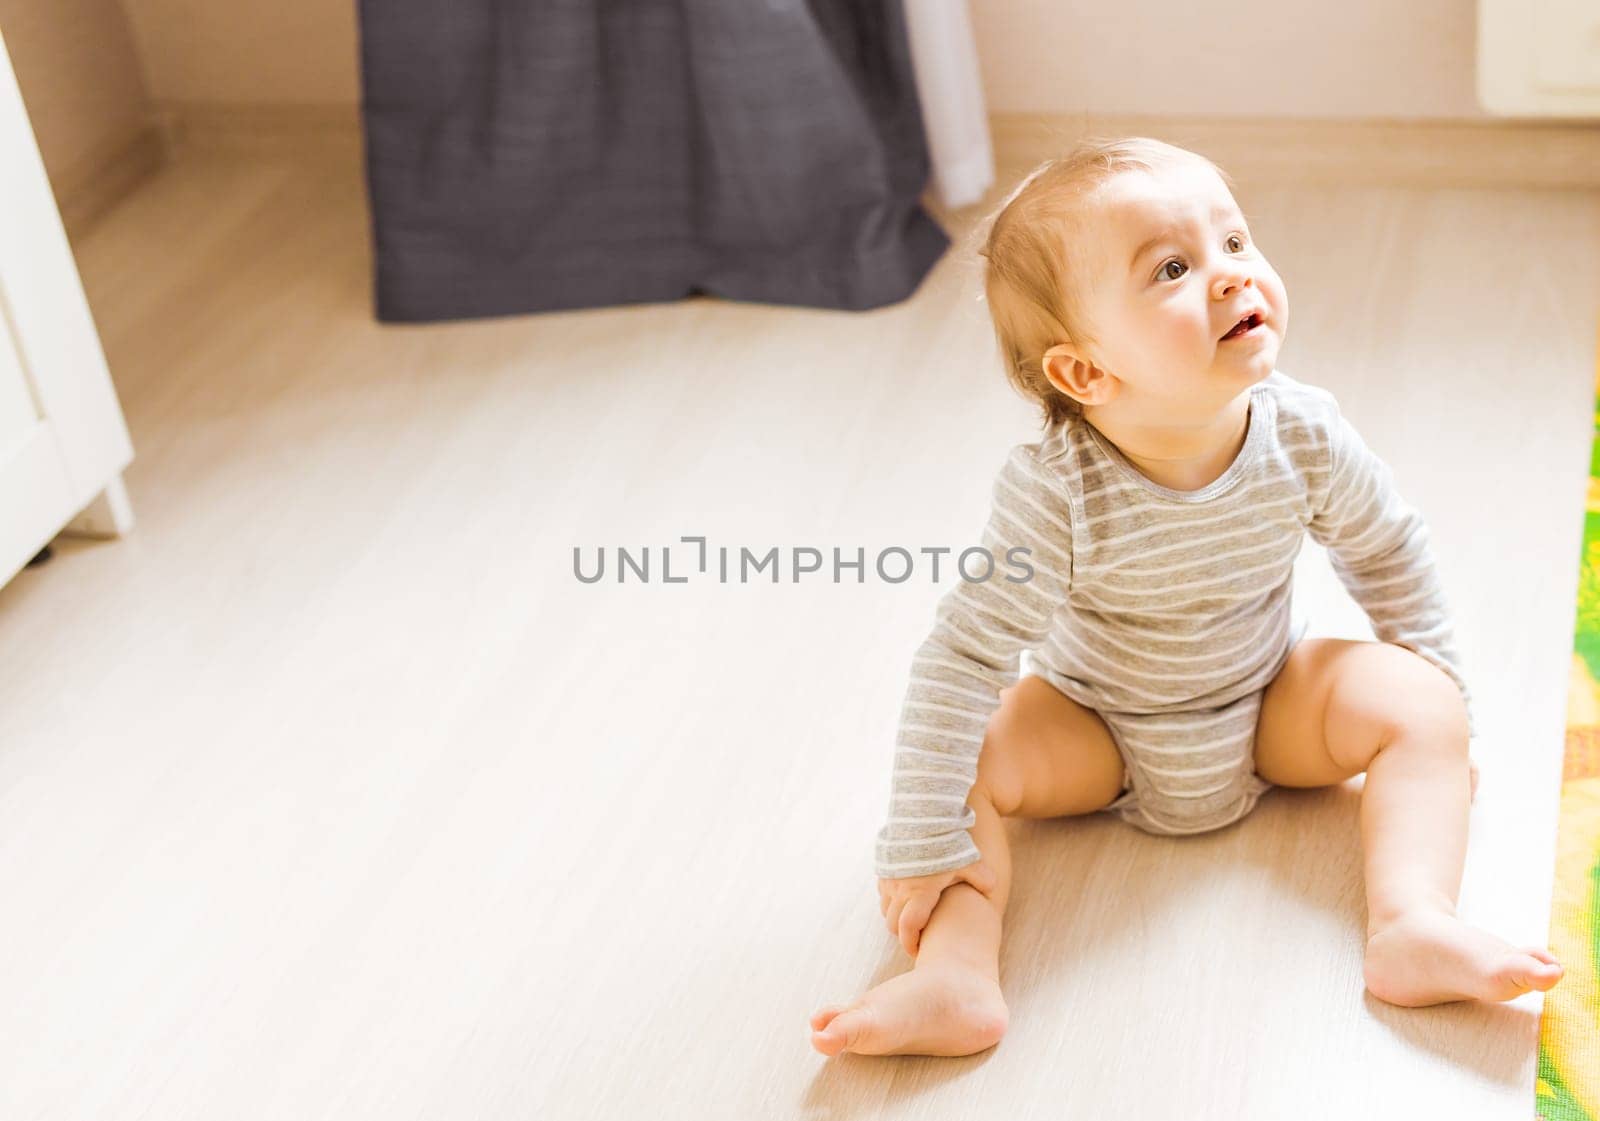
1569 1036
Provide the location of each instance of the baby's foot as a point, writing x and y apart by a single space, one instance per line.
930 1010
1429 956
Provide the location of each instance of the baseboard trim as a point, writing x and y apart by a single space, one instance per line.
1255 151
1433 153
273 128
103 178
1497 152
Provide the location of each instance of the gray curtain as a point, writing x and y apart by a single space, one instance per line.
526 156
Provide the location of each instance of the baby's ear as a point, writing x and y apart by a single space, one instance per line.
1074 373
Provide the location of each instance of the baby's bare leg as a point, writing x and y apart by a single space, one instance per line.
949 1002
1341 707
964 929
1043 756
1414 833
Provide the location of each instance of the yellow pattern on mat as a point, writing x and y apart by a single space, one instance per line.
1569 1036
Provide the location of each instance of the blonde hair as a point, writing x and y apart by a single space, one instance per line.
1034 265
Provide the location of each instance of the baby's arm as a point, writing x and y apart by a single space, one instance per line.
971 654
1378 545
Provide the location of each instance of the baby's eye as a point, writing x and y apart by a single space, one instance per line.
1166 273
1232 238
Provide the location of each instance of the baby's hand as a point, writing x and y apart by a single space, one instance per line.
907 904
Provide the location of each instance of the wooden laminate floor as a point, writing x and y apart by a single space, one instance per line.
331 793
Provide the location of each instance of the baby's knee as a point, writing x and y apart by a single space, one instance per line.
999 779
1421 700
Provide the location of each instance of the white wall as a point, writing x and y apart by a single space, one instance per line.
1269 58
254 52
1246 58
80 80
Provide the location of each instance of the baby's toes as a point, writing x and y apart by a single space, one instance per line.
847 1030
1529 970
1546 970
820 1018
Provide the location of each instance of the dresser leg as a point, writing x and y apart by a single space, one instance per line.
109 515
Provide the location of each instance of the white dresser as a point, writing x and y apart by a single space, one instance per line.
63 442
1539 58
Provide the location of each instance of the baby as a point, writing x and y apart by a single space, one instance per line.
1171 682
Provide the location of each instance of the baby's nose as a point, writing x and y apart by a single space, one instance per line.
1228 284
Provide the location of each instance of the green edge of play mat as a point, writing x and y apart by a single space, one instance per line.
1554 1102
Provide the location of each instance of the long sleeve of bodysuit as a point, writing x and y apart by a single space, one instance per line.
974 651
1378 545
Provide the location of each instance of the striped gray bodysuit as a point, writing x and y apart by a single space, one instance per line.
1167 612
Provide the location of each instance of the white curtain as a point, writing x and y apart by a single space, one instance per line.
945 59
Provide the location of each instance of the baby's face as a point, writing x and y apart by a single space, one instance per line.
1177 269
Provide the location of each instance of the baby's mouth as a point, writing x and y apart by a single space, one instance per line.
1244 326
